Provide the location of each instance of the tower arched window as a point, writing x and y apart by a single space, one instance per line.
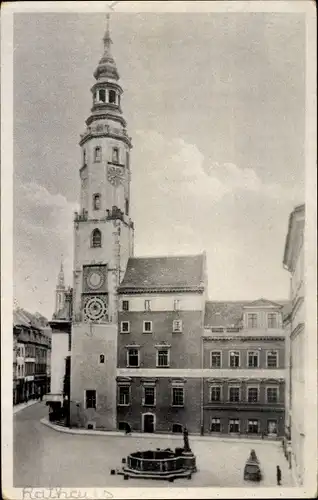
96 201
102 95
115 156
112 97
127 159
84 157
96 239
98 154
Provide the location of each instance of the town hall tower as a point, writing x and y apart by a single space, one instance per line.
103 242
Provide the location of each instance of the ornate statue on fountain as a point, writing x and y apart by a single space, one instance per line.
186 439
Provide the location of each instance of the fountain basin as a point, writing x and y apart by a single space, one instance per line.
160 464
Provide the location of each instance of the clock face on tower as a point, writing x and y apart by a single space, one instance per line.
95 309
94 279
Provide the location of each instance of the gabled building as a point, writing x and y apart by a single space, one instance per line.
31 355
162 302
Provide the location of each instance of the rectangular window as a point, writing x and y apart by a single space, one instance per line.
215 425
252 320
125 327
133 358
252 394
215 393
147 327
234 359
177 326
271 427
234 425
125 305
176 305
177 396
90 399
215 359
272 359
162 357
124 395
147 305
252 358
272 394
149 396
272 320
234 394
252 426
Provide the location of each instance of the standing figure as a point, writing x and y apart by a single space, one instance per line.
186 439
128 429
278 475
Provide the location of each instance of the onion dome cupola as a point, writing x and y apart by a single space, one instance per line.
106 113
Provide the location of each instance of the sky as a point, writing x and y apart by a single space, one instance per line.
215 105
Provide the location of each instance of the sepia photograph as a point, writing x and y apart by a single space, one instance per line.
158 250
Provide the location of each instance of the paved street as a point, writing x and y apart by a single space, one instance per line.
46 458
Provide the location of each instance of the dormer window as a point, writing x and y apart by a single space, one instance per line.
96 201
98 154
112 97
252 320
96 239
115 155
272 320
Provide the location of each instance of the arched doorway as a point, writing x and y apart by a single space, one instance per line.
148 422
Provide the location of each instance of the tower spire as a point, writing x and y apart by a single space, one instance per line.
107 39
60 280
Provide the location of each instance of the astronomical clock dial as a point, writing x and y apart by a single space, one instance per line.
95 280
95 309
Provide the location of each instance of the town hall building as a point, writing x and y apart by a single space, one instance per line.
140 331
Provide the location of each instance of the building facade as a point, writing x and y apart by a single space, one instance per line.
161 319
32 350
293 261
244 347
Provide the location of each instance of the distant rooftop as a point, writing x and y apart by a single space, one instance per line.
230 313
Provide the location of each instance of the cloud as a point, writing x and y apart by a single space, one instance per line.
42 233
177 168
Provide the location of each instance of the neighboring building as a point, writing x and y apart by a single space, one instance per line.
32 347
162 301
60 326
244 348
293 261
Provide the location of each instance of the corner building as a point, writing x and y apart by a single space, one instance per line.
162 302
244 349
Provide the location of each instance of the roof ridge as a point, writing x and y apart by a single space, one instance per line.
166 256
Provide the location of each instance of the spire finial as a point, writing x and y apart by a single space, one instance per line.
61 273
107 39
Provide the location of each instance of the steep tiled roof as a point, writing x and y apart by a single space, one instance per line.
224 313
230 313
164 273
19 319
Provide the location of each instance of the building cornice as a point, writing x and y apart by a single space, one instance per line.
132 291
229 338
